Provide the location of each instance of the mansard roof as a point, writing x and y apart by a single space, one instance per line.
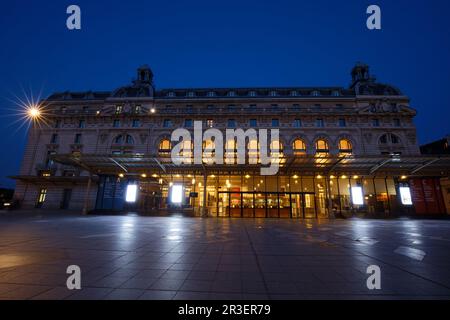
363 84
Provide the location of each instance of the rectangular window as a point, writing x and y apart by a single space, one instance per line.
57 124
54 138
77 138
81 124
253 123
231 123
137 109
136 123
319 123
119 109
41 197
397 122
376 122
167 123
116 123
210 123
342 123
275 122
298 123
188 123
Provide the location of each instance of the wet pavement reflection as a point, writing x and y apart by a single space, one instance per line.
133 257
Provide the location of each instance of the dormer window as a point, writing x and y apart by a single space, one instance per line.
231 94
273 93
191 94
171 94
335 93
315 93
294 93
252 93
211 94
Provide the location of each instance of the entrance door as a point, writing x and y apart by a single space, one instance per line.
297 205
310 205
67 194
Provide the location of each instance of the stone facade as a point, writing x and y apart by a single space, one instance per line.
376 119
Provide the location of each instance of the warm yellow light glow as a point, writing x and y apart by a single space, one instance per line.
295 177
154 175
355 177
319 176
193 181
332 177
212 176
247 176
344 177
121 175
152 110
404 177
143 175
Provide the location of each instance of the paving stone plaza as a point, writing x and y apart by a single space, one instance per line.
136 257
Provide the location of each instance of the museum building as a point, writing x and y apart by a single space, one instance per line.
341 151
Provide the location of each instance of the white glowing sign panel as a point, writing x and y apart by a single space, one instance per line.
177 194
131 193
357 196
405 195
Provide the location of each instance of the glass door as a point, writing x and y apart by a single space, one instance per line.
310 205
297 205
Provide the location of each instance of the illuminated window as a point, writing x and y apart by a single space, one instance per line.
322 148
165 146
208 151
41 197
253 151
299 147
345 146
119 109
210 123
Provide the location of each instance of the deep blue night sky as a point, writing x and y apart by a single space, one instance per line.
219 44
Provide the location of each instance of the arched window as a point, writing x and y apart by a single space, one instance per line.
322 148
165 146
345 147
299 147
118 140
395 139
384 139
230 151
129 139
209 147
276 145
253 151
